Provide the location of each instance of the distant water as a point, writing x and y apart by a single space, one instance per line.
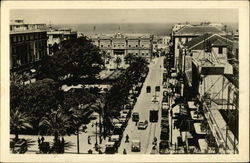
151 28
89 29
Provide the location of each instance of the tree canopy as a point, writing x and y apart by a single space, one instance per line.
76 58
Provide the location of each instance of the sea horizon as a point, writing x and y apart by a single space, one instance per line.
110 28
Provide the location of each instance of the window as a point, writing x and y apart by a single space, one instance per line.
101 45
142 53
136 53
108 45
129 45
220 50
136 45
146 53
114 46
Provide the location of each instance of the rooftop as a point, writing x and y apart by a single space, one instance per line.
27 31
197 30
121 35
198 43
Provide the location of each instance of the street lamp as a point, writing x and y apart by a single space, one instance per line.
96 143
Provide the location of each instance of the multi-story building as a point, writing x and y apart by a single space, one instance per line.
160 45
185 33
28 45
211 78
55 36
122 44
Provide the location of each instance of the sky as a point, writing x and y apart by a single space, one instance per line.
91 16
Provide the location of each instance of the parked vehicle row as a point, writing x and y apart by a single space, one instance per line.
121 123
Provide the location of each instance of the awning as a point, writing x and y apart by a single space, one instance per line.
203 144
33 70
191 105
197 127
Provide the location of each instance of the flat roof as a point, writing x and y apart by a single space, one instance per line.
27 31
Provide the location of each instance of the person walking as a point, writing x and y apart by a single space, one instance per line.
127 139
124 151
42 139
89 139
39 141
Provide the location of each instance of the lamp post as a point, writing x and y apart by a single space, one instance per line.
96 143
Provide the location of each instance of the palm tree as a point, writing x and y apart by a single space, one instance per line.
19 121
118 61
129 58
56 123
80 115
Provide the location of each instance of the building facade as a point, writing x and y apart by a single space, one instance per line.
122 44
55 36
28 44
211 79
186 33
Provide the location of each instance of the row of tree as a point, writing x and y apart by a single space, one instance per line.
43 108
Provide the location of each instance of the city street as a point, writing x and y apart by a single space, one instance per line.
143 105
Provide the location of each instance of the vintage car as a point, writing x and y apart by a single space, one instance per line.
143 124
136 146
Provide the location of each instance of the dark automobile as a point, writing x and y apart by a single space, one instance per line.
135 116
20 146
164 123
163 146
157 88
165 93
165 99
164 113
153 116
164 134
110 148
148 89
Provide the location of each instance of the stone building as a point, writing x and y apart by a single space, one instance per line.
28 44
55 36
122 44
186 33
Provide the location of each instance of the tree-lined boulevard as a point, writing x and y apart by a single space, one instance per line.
42 108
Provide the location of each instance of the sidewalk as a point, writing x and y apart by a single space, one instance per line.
72 140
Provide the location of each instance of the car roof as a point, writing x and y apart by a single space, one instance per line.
109 143
115 136
136 141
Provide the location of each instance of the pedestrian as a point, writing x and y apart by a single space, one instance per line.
155 139
89 139
109 138
63 140
90 151
39 141
83 128
42 139
127 139
124 151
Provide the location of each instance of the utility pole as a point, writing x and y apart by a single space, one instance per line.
96 143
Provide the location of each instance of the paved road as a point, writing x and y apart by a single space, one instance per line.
142 106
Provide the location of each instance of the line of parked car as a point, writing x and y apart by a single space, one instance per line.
164 136
121 123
